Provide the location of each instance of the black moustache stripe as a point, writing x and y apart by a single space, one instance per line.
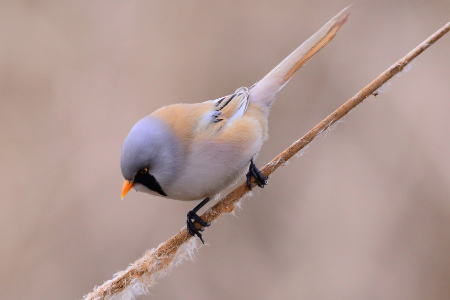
150 182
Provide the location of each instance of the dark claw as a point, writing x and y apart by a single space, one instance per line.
193 217
253 171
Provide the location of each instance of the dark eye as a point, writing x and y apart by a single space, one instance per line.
144 171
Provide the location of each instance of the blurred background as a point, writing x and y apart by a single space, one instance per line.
363 214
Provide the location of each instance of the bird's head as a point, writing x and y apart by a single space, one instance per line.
150 157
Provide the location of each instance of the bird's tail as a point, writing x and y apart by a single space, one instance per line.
265 91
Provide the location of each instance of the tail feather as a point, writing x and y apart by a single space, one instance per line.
265 91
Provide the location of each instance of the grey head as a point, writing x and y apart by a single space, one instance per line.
151 156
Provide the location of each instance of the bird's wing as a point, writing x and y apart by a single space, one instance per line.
224 111
233 106
204 119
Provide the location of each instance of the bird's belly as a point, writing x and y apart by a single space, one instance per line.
212 167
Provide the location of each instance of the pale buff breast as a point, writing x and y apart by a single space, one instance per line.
211 166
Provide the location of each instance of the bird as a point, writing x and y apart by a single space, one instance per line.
193 151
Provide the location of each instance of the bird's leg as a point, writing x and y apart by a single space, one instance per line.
253 171
192 216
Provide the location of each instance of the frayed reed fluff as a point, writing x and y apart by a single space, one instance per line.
387 85
303 151
136 289
407 68
331 127
276 162
383 89
238 204
142 285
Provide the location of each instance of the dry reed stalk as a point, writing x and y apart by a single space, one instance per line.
156 262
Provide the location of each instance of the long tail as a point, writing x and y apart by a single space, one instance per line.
265 91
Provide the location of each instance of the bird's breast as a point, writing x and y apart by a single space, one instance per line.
211 166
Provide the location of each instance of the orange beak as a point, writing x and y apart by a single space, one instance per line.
127 185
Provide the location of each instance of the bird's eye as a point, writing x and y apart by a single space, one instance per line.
144 171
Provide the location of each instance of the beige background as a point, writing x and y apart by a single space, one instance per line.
363 214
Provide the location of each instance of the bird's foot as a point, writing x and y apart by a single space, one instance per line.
253 171
193 217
